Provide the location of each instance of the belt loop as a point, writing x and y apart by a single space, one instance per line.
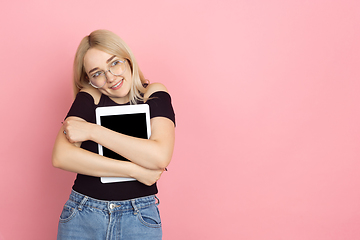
158 200
82 203
134 206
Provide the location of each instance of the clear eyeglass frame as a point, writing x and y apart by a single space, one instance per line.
103 74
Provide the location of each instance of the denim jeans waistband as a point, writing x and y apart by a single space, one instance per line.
112 206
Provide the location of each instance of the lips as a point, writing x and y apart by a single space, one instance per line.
117 85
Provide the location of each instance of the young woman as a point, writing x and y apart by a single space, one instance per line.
106 74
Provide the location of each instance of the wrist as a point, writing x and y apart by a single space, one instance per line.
93 132
134 171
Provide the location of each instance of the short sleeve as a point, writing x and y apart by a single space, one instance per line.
83 107
160 105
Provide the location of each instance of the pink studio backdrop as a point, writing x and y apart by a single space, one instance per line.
266 95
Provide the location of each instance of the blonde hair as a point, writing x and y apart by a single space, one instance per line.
110 43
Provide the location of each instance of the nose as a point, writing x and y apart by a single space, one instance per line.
109 76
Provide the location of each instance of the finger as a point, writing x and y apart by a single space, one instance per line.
70 139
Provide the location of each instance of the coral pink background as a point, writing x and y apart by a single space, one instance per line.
266 95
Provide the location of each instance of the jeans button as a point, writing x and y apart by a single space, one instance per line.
112 206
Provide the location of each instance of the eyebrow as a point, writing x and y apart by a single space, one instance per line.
107 61
93 69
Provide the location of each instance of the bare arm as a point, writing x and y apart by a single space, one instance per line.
153 153
69 157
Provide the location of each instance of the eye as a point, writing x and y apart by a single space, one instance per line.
97 74
114 63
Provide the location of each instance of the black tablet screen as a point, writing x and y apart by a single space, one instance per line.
129 124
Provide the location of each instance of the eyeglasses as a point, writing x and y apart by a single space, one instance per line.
99 79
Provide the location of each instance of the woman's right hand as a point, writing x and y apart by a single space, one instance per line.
77 129
147 176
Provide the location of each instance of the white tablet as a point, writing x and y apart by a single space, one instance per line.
132 120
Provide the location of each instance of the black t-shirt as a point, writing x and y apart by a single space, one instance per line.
84 107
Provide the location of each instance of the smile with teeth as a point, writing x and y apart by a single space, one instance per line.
118 84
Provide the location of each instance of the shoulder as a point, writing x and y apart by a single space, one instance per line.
159 101
154 87
93 92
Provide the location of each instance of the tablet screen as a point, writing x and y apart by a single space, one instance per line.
131 120
129 124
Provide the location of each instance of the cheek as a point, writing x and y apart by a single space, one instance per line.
128 77
128 74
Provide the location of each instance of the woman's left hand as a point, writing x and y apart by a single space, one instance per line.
77 129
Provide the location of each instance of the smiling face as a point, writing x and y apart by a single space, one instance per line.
116 87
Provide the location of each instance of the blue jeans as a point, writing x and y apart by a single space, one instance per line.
87 218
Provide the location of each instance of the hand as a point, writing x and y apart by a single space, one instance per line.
148 176
77 130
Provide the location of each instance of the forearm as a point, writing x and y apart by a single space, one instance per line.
68 157
128 147
92 166
153 153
